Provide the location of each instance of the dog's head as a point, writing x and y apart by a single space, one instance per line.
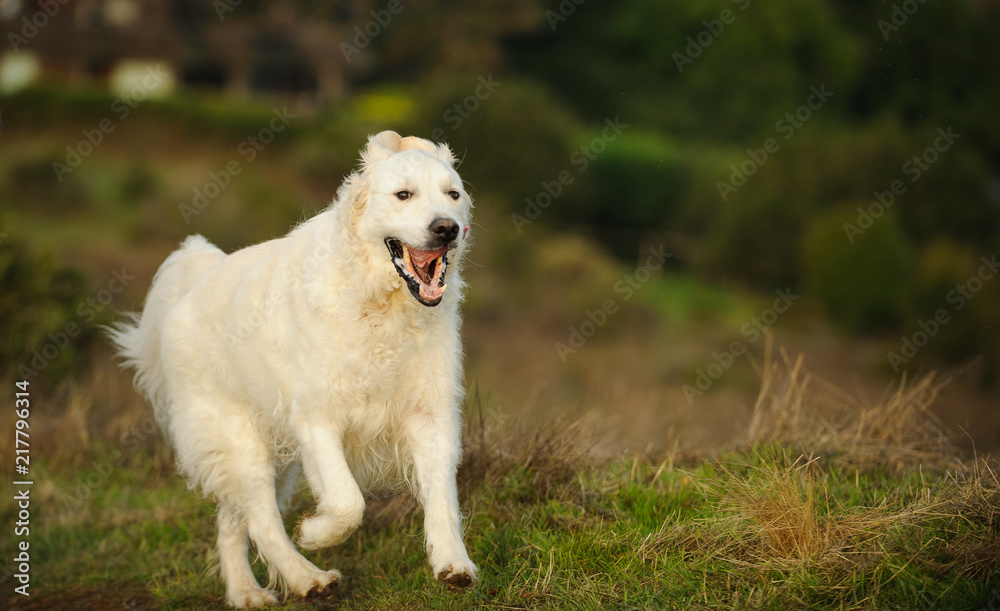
416 207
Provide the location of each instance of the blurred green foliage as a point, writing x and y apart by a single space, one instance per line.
43 308
863 283
524 94
951 284
528 133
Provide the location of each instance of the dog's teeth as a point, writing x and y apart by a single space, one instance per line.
443 288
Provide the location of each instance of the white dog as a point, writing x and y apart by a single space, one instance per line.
335 347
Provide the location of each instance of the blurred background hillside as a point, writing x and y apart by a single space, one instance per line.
659 184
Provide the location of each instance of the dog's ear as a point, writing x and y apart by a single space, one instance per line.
441 151
380 147
444 154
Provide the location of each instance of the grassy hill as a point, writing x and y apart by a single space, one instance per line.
814 496
873 510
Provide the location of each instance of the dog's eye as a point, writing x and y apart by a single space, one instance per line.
403 195
454 194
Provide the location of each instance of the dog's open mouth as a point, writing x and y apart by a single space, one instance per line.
422 270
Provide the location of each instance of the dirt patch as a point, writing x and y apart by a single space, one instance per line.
88 597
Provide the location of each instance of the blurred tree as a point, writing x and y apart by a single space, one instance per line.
45 336
444 36
951 277
932 65
682 68
863 283
521 135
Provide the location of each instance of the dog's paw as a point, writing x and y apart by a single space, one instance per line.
318 585
252 598
458 577
324 593
326 530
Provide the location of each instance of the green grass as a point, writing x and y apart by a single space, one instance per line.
774 524
627 534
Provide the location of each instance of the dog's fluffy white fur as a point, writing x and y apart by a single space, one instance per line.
318 349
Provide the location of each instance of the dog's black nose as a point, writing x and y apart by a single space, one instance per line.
445 230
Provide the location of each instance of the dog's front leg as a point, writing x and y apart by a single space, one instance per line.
341 505
435 442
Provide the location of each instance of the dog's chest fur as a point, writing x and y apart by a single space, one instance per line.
383 346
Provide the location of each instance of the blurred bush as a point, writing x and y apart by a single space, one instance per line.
732 85
31 184
508 141
754 242
48 326
637 181
863 284
520 99
946 278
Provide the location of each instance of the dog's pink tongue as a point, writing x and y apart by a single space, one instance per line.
421 258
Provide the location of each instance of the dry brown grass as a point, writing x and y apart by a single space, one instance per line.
552 454
786 509
899 432
550 457
78 417
825 498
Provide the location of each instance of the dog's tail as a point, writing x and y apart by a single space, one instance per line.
138 336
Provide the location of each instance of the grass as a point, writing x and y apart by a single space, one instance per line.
686 300
871 510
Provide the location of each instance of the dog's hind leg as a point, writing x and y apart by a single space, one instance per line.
236 467
267 531
242 589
